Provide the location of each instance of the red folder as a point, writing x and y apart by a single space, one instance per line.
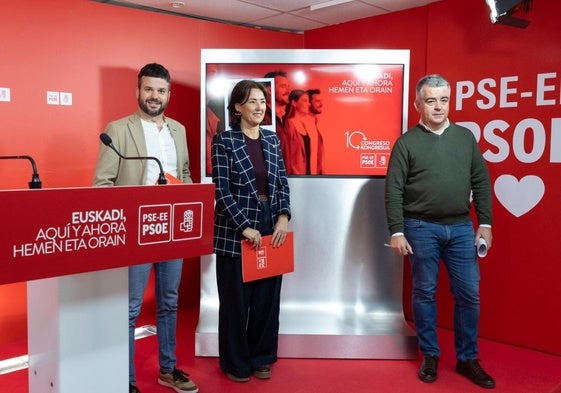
267 261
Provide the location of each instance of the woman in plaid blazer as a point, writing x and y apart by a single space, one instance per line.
252 199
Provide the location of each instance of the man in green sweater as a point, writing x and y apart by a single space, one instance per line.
434 169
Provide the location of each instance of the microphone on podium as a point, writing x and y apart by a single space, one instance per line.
107 141
35 183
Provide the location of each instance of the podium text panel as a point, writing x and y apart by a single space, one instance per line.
55 232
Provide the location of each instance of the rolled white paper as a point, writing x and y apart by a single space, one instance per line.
481 248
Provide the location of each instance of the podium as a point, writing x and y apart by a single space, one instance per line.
73 246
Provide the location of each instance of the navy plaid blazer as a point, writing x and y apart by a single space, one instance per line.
237 201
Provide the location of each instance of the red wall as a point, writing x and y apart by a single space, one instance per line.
520 288
94 50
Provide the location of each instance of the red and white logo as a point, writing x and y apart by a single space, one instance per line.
169 222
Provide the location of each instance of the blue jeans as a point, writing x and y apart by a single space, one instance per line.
454 244
167 276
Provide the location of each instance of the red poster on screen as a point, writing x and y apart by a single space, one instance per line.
336 118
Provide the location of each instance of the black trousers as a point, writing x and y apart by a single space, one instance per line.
248 319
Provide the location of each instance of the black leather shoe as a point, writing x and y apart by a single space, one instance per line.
475 373
427 372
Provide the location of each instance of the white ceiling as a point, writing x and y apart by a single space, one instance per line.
289 15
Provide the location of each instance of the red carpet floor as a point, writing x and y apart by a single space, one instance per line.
516 370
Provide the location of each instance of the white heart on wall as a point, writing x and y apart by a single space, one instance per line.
519 196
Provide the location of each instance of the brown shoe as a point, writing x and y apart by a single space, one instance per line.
263 372
178 381
235 378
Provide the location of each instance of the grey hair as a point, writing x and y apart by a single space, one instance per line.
432 80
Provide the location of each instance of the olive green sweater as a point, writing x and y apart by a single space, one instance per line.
430 178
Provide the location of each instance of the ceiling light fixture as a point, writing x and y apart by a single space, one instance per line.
326 4
502 11
177 4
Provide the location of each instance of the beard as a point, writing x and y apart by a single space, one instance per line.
149 111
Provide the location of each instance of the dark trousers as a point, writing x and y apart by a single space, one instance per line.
248 316
248 319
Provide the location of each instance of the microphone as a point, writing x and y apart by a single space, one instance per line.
35 183
107 141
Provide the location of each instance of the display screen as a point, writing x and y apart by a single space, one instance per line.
336 115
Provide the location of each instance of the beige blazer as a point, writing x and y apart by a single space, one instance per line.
128 138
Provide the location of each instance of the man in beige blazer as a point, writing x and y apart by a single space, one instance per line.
149 133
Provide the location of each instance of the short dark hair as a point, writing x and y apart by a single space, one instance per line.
240 94
154 70
272 74
311 92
